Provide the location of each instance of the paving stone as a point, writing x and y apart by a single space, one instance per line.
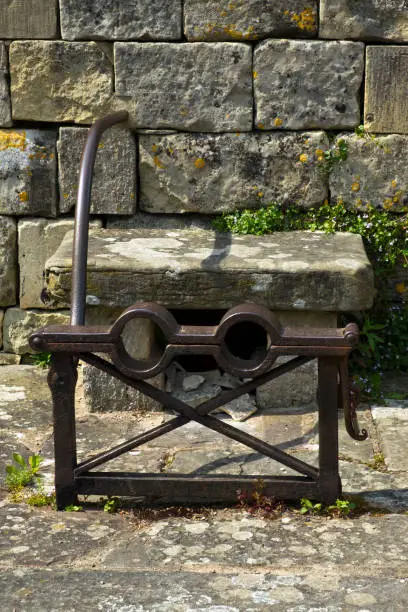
114 176
175 86
215 173
392 426
8 259
29 19
20 324
307 84
5 104
374 173
303 271
203 591
204 462
121 19
28 172
296 388
248 19
246 542
75 82
364 20
37 241
385 100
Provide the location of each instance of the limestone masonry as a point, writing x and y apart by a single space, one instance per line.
232 105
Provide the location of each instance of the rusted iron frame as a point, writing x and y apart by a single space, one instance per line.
201 416
200 411
62 379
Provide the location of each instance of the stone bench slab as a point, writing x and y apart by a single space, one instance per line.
203 269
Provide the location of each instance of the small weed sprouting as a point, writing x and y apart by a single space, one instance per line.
259 504
378 463
340 509
308 507
42 360
22 473
73 508
111 505
41 499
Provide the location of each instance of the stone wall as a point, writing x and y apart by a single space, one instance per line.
232 104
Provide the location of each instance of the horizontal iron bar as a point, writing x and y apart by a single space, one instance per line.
183 488
212 423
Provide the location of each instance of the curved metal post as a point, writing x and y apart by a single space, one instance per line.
80 246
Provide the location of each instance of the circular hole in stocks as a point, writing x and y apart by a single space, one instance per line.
247 340
143 340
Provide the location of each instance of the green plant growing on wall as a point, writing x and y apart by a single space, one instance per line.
43 360
328 159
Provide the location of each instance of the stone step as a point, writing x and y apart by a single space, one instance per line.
202 269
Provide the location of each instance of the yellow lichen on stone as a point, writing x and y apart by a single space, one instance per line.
305 20
23 196
12 140
261 126
65 196
255 74
394 183
278 122
199 163
158 162
355 186
154 148
260 194
303 158
400 288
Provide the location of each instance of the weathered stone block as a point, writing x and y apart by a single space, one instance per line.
204 269
364 19
7 359
375 172
28 19
213 173
163 221
294 389
307 84
106 394
19 324
114 177
8 261
248 19
103 393
176 85
38 239
28 172
5 108
60 81
386 100
1 327
121 19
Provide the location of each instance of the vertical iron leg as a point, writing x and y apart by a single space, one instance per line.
62 379
329 478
